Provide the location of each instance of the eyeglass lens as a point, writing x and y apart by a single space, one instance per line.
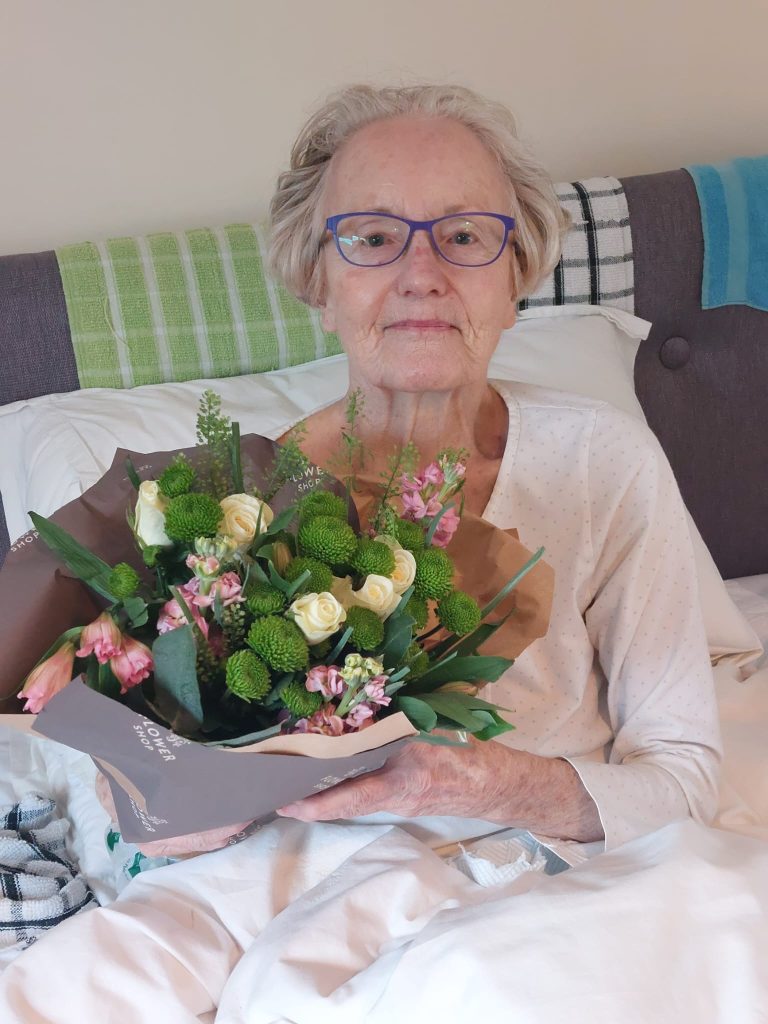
370 240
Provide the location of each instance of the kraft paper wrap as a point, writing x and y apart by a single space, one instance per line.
163 785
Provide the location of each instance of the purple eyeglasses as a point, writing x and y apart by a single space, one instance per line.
371 239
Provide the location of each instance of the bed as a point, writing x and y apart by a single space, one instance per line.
378 920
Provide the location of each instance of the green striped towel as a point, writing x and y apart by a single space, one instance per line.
181 306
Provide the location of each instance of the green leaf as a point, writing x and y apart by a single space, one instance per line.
235 459
218 607
108 684
85 565
418 712
177 693
339 646
133 476
281 521
136 610
470 643
277 580
470 669
512 583
398 635
498 727
440 741
297 584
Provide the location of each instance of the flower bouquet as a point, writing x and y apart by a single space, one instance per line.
243 609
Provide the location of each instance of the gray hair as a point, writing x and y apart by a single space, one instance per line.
296 220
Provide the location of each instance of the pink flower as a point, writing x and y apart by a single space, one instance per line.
228 588
411 483
323 721
413 505
448 525
132 665
374 690
202 566
102 638
325 679
48 678
433 474
359 717
172 615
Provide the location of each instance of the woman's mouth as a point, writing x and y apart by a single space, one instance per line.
420 325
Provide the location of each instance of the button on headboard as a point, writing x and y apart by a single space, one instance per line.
701 376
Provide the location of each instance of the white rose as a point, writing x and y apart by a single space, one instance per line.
405 564
318 616
241 516
341 588
150 515
377 593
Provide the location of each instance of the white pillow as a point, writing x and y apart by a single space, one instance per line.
56 446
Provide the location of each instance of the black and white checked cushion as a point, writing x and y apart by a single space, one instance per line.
596 265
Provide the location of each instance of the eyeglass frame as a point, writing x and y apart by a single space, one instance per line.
332 224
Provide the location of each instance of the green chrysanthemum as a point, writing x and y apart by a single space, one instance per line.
417 608
299 701
123 581
327 539
459 613
247 676
192 515
367 628
264 599
149 554
177 478
320 577
434 573
279 642
372 556
322 503
409 535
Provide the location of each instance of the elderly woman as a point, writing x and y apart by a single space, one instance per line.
414 220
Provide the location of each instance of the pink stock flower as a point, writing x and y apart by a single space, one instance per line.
132 665
228 588
323 721
102 638
411 483
325 679
172 616
48 678
414 506
448 525
202 566
359 717
433 474
374 690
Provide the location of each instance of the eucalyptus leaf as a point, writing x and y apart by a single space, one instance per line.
136 610
177 693
85 565
511 584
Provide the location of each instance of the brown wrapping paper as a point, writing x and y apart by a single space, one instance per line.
163 785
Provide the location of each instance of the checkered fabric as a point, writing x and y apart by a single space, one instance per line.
596 265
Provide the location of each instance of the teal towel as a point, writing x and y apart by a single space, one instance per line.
734 217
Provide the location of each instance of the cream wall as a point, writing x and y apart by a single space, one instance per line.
122 116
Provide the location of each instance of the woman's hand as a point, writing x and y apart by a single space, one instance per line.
179 846
485 780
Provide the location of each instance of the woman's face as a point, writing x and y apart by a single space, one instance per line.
420 323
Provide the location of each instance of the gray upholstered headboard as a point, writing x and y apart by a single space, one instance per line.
701 376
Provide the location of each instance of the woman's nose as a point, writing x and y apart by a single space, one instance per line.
421 269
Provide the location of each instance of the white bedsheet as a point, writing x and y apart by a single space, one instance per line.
365 922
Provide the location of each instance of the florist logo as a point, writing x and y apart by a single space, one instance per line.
152 737
22 542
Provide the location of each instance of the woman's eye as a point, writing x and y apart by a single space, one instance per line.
375 241
462 238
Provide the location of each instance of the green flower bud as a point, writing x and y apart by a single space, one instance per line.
177 478
299 701
192 515
279 642
327 539
123 581
320 579
247 676
372 556
264 599
417 608
459 612
367 628
434 573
